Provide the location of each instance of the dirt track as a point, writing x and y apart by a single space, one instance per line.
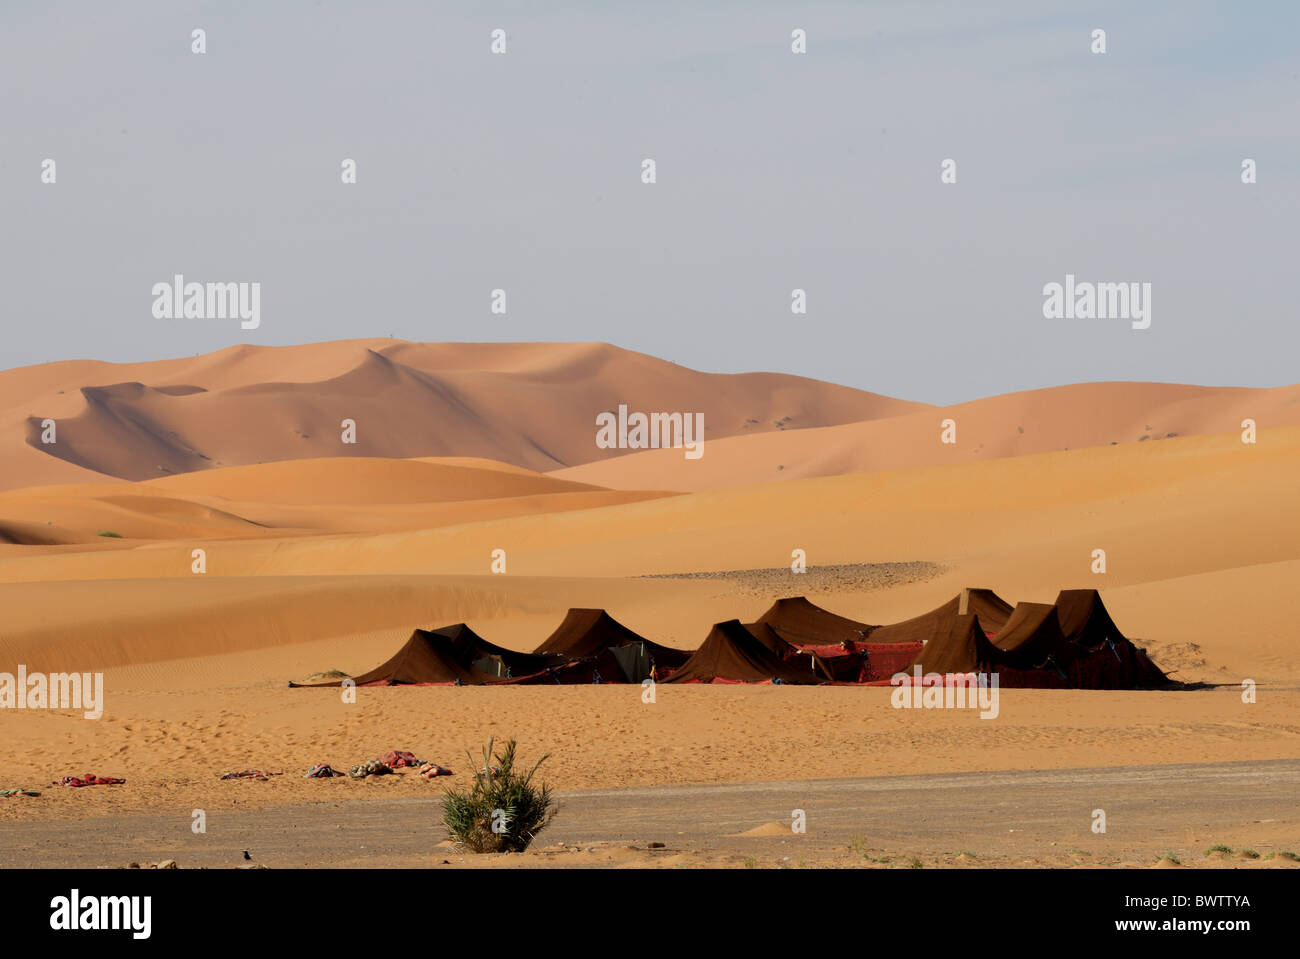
1014 818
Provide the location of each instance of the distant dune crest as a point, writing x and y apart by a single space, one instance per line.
532 405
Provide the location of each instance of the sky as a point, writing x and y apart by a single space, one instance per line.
775 171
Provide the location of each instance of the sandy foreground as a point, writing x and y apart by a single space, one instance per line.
327 563
1234 815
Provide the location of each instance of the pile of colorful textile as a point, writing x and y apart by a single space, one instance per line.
375 767
396 759
383 766
90 779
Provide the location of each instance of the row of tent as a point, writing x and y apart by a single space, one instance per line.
1072 643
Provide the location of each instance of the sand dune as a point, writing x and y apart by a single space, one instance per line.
1206 510
531 405
320 561
1176 507
363 480
1015 424
291 498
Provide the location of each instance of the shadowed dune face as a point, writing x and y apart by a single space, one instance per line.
531 405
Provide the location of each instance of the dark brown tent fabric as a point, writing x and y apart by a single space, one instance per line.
730 653
1084 619
472 650
788 652
805 624
589 632
1107 658
992 610
962 649
770 638
1032 639
925 628
601 668
426 658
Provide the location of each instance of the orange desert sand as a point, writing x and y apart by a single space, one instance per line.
321 556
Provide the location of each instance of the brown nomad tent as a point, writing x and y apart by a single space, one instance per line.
730 653
590 632
993 612
472 650
1106 659
805 624
962 648
804 659
426 659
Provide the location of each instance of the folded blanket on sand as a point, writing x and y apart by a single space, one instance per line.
250 774
322 771
18 792
396 758
385 764
90 779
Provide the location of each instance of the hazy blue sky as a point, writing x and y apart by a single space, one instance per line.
775 171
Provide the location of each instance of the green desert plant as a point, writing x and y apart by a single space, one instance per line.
1219 847
502 811
329 674
109 533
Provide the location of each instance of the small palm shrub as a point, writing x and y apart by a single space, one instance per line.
502 811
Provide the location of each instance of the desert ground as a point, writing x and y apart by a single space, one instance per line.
322 556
